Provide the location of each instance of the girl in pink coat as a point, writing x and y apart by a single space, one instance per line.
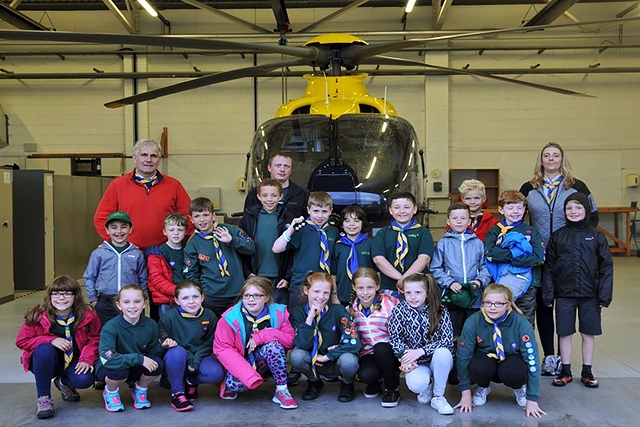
59 340
252 340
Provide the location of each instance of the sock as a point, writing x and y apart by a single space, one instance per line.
281 387
566 369
140 388
586 370
111 391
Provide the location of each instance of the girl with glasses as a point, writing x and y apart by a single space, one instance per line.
251 342
499 345
59 339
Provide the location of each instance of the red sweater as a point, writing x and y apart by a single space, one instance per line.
86 336
147 211
487 221
160 280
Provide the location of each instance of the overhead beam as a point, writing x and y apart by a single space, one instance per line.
129 26
227 16
281 15
334 15
552 11
19 20
442 14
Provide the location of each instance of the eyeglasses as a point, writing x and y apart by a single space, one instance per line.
252 296
66 294
488 304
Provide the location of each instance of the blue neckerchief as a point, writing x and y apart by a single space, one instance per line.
352 261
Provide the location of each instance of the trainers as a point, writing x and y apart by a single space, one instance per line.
140 398
313 389
346 392
227 394
521 395
373 390
390 398
191 392
480 395
425 396
69 394
45 407
562 380
180 403
440 404
284 399
550 366
588 380
293 378
112 401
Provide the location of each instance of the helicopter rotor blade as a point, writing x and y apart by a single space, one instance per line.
355 54
204 81
310 53
387 60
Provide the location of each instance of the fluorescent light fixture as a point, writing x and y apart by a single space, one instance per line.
408 9
405 176
373 164
358 186
384 127
266 147
150 10
410 158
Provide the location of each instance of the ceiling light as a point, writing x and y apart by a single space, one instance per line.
410 4
150 10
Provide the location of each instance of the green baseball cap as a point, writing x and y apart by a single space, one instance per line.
119 216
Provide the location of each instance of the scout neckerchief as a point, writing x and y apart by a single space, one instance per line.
352 261
317 335
146 182
324 244
504 229
68 355
475 221
497 334
222 260
255 321
189 315
366 311
551 188
402 245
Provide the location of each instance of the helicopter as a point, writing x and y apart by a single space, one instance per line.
342 140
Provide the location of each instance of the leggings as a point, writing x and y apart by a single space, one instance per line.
130 374
382 363
441 363
512 371
546 327
270 357
210 370
47 362
346 365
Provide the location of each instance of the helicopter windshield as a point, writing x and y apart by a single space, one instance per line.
357 158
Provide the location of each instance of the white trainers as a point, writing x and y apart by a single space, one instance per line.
480 395
549 366
440 404
425 396
521 395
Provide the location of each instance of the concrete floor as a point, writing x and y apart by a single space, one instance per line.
616 365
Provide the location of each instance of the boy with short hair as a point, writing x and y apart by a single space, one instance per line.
311 245
402 248
458 266
166 262
515 252
112 265
264 223
578 275
212 257
473 194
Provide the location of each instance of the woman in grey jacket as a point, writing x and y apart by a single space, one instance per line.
546 192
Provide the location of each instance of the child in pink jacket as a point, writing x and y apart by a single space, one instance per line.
252 339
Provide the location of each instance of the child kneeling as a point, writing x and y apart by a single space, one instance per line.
252 339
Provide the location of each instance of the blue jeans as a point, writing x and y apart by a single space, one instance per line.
210 370
47 362
346 366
